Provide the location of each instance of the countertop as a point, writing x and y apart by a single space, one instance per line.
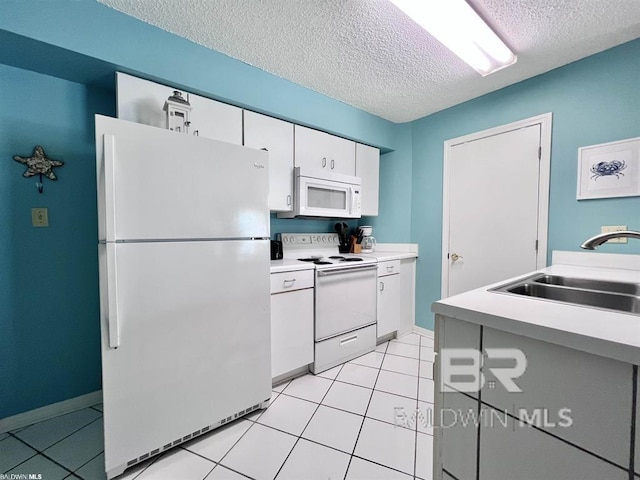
383 252
606 333
286 265
393 251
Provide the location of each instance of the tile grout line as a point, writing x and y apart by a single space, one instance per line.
43 454
373 388
415 443
309 421
155 459
63 438
26 460
253 422
236 442
92 459
348 411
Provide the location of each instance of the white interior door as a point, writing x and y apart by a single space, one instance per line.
493 201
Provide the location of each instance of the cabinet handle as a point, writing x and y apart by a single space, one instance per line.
324 162
350 339
288 283
382 286
390 269
288 199
333 164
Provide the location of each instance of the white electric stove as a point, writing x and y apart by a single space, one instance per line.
345 297
321 249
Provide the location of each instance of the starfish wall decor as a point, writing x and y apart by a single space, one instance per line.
39 164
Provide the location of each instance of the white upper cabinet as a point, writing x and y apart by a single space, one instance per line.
142 101
276 136
320 151
367 168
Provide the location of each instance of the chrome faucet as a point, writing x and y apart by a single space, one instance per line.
598 240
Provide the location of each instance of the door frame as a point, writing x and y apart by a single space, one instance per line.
545 122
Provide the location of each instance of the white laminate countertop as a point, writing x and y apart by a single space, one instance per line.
393 251
288 265
606 333
383 252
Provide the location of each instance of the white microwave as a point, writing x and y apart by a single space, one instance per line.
324 194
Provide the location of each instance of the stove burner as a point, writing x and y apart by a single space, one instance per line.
309 259
321 262
351 259
336 257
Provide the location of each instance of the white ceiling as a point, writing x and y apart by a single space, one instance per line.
368 54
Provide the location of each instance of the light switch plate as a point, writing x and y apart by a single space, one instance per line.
614 228
40 217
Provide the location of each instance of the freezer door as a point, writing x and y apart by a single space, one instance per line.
158 184
194 339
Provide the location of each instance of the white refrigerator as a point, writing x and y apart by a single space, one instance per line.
184 286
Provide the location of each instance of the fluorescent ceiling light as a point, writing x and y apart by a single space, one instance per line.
459 28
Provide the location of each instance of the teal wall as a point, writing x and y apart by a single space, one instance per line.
48 276
49 317
595 100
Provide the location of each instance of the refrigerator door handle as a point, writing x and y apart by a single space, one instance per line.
109 178
113 325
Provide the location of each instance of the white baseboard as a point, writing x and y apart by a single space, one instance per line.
423 331
49 411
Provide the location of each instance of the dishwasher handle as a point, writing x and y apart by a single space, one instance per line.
326 273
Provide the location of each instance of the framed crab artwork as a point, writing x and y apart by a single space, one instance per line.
609 170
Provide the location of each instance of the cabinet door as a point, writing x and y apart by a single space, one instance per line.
276 136
570 394
457 440
367 168
637 439
509 450
389 299
320 151
407 307
291 331
142 101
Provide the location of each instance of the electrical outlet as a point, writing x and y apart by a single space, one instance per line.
40 217
614 228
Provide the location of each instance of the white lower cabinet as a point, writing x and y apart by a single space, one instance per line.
406 315
291 321
389 296
637 439
515 451
571 419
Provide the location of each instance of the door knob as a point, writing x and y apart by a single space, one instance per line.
455 257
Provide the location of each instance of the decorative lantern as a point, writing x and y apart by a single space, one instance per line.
178 109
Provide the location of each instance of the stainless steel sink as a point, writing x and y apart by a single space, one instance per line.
618 296
589 284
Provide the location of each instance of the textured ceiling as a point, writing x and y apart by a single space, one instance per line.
368 54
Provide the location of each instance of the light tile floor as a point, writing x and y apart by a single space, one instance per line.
360 420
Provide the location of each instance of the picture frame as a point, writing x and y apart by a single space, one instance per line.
609 170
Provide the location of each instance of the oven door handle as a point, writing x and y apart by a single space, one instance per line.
338 271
